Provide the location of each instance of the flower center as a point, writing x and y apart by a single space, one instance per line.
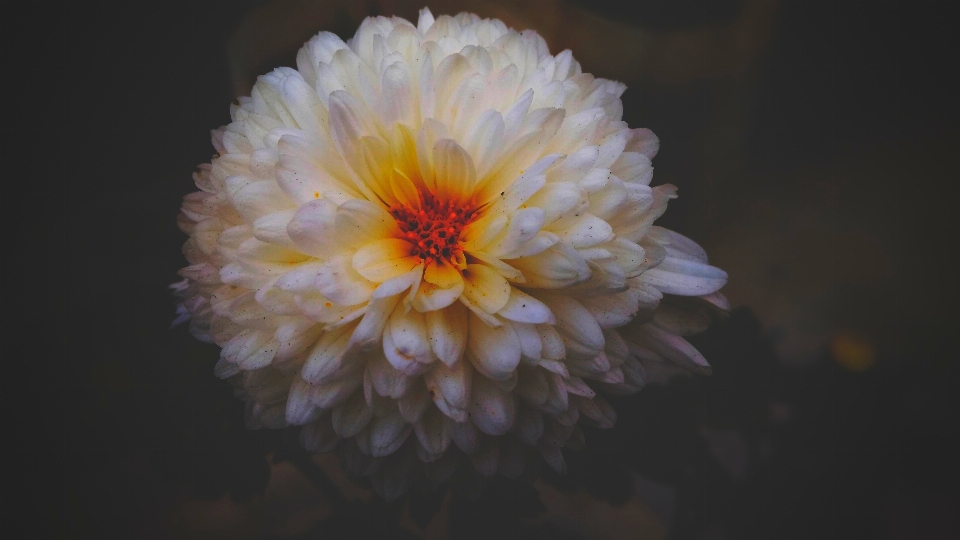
434 228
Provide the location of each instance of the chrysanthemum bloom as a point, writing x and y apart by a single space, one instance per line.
437 236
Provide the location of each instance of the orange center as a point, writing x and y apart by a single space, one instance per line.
434 228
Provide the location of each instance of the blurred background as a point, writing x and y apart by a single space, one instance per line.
814 144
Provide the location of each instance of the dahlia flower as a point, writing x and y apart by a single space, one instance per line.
435 237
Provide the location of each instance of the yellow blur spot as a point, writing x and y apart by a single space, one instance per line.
854 352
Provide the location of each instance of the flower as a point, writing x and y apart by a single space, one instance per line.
433 237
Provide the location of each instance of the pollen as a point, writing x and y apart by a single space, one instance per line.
435 227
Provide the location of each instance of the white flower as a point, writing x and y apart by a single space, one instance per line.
437 236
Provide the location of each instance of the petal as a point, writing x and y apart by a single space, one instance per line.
319 436
491 409
341 284
531 346
580 332
677 245
434 431
533 387
387 434
494 351
447 331
299 409
529 425
554 268
312 228
450 384
613 310
485 288
585 231
301 279
486 457
370 330
415 402
442 274
272 228
453 169
351 416
431 298
524 225
674 348
685 277
521 307
296 337
408 332
359 221
385 259
326 356
466 436
386 379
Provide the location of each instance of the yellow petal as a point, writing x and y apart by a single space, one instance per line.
442 274
381 260
485 287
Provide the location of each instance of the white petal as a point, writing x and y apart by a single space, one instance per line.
434 431
585 231
300 410
408 332
255 199
415 402
359 222
521 307
301 279
326 356
341 284
329 394
523 226
369 332
295 337
447 331
677 245
396 95
491 409
387 380
613 310
450 385
685 277
576 325
349 417
557 267
319 437
533 386
674 348
272 228
312 228
425 21
494 351
466 436
644 142
531 346
529 425
486 457
387 434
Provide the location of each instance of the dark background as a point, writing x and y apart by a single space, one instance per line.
815 150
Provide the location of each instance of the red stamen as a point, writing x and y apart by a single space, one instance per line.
437 224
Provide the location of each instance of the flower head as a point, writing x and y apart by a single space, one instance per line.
438 236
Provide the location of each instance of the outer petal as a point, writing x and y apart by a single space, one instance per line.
495 351
491 409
